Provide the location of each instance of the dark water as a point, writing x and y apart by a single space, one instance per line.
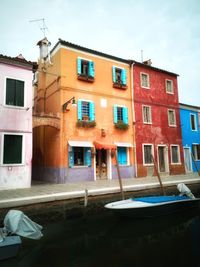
106 240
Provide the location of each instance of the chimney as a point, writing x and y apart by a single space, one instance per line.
147 62
43 46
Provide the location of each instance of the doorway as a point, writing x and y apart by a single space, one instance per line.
187 159
163 159
101 164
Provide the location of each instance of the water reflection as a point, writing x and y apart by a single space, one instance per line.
105 240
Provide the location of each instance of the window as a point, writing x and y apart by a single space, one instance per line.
175 154
196 151
122 155
144 80
86 110
14 92
146 110
12 149
147 154
120 114
119 77
193 122
85 69
171 118
79 156
169 87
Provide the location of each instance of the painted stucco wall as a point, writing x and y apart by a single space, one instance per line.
159 132
16 120
190 136
99 91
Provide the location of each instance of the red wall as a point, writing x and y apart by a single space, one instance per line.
157 133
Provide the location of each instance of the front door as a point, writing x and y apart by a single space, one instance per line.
162 159
187 159
101 164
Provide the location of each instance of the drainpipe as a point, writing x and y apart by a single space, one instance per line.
133 113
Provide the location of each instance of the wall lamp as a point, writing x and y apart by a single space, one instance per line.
72 101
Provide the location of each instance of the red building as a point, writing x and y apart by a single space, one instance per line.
157 120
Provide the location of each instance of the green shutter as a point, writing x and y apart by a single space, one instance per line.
10 92
91 69
115 113
91 111
125 115
114 74
79 66
71 157
20 93
79 110
123 76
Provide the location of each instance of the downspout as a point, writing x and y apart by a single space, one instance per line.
133 114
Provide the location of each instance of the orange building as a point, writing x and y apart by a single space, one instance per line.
78 143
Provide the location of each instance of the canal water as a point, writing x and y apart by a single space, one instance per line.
105 240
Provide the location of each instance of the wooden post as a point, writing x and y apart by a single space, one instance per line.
119 176
86 198
195 164
159 179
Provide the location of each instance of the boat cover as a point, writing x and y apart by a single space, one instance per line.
16 222
160 199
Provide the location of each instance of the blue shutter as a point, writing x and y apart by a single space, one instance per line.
79 66
87 156
114 74
123 76
79 110
91 69
115 113
71 157
92 111
125 115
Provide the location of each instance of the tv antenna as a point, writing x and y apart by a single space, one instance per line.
43 28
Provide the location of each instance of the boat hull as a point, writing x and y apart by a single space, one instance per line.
153 210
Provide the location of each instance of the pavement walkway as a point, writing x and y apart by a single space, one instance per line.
40 192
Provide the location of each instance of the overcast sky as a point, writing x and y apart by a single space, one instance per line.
168 32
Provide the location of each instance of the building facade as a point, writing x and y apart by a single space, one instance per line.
82 148
16 122
157 121
190 125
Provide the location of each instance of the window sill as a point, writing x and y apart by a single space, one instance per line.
85 78
178 163
144 87
148 164
15 107
12 165
120 86
170 93
148 123
172 126
85 124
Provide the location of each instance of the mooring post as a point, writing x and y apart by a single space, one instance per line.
86 198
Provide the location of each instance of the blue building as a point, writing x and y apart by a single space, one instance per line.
190 126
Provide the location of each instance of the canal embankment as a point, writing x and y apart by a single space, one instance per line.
47 202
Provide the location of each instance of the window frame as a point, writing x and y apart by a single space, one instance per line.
148 80
90 103
86 151
172 86
179 156
85 77
5 90
150 114
22 150
123 114
195 153
143 156
174 112
122 82
195 122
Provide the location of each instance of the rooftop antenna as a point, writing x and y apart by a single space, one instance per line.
43 27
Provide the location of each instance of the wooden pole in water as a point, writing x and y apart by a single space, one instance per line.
157 172
119 176
195 164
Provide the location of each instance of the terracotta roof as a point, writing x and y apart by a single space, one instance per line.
19 60
94 52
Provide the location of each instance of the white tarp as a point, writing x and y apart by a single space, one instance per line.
16 222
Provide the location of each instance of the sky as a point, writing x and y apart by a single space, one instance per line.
168 32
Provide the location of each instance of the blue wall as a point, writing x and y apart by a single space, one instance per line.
190 136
